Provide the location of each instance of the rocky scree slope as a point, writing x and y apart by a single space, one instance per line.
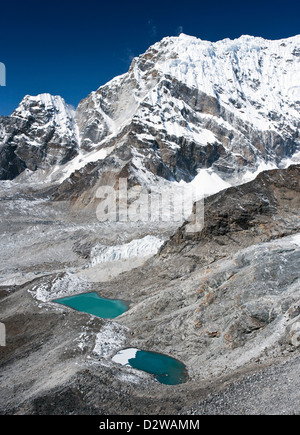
224 301
227 296
220 300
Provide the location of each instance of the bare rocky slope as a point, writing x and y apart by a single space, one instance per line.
225 301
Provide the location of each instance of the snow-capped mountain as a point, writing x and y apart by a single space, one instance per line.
185 105
196 103
40 133
189 118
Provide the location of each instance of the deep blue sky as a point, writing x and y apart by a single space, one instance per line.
70 48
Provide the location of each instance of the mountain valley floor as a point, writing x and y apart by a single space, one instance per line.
224 301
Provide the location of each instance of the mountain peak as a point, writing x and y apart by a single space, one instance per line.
45 101
184 105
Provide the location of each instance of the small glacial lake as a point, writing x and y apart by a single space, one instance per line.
93 304
167 370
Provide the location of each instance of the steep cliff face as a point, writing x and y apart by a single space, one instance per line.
188 104
39 134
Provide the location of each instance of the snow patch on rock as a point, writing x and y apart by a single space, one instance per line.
65 285
111 337
296 239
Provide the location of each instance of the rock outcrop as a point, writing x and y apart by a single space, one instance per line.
261 210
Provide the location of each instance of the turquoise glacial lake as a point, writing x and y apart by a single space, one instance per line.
93 304
167 370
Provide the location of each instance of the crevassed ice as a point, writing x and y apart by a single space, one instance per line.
148 245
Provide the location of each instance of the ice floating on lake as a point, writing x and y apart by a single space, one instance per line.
167 370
